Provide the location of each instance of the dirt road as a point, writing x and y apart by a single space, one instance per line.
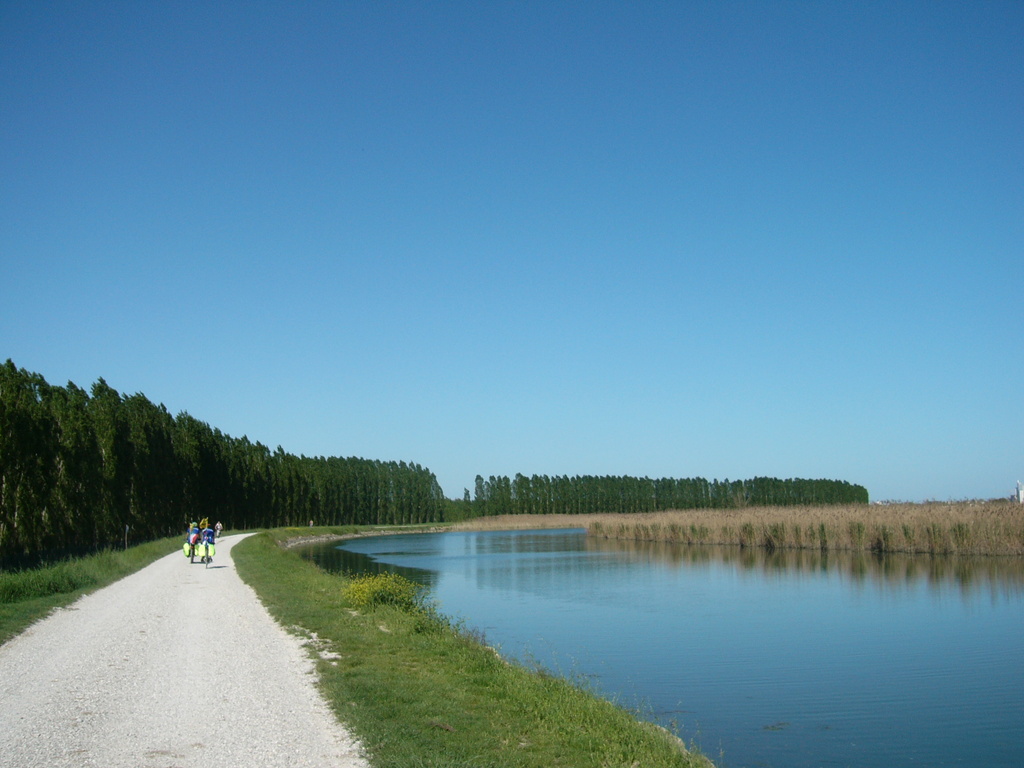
178 665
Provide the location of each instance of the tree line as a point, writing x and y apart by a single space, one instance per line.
82 470
543 495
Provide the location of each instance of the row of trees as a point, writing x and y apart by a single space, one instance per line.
80 470
543 495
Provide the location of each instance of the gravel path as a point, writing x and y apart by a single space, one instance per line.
178 665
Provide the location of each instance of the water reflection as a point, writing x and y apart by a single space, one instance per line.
541 560
973 576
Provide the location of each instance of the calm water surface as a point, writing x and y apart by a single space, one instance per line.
787 660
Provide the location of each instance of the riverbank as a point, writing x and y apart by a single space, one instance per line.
297 537
418 690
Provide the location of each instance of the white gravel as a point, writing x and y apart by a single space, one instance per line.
178 665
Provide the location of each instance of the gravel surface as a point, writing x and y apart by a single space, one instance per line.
176 665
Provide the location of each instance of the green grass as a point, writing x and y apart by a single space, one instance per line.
29 595
420 693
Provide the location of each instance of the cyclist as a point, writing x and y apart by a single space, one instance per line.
191 539
206 543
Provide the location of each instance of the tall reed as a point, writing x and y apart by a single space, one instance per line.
963 527
975 528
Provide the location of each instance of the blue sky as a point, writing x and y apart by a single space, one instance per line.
665 239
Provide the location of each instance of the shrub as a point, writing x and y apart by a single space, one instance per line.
883 539
775 536
857 534
961 533
823 536
936 535
747 535
370 591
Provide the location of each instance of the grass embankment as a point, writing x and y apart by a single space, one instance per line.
28 595
958 528
421 693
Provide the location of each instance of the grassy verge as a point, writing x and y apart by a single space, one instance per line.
29 595
287 537
421 693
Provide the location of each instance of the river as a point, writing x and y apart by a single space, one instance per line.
767 660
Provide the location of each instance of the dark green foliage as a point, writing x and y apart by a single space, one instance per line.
564 495
81 472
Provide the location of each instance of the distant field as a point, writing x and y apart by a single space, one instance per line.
967 527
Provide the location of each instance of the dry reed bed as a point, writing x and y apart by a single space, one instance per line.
531 522
968 527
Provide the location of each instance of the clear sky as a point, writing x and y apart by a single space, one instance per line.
663 239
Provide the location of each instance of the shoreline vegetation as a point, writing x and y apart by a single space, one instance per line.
420 690
935 528
414 687
83 470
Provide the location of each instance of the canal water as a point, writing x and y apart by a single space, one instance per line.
784 660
